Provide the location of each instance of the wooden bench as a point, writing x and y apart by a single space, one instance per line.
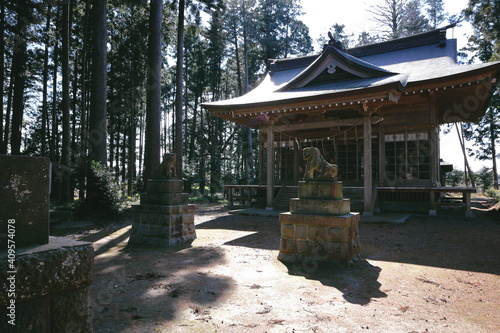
432 190
245 193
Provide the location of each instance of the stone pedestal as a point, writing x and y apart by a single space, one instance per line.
25 198
45 281
319 226
164 217
48 288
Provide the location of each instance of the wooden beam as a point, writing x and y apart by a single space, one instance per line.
325 124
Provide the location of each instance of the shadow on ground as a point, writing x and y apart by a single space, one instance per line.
266 230
358 282
141 286
447 241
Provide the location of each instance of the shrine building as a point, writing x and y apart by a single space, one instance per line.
373 110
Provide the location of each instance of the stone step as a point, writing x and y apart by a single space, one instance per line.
164 186
320 190
320 206
282 201
59 216
167 199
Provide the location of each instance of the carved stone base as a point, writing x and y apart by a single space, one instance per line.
319 226
51 288
164 218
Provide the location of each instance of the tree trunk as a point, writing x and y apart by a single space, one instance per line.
201 160
66 144
20 59
83 105
54 140
193 130
45 83
7 116
249 157
2 67
466 161
238 66
153 102
97 119
493 150
132 137
179 91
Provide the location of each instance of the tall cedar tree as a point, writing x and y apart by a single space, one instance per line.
435 12
484 16
179 114
66 149
97 135
2 67
152 139
19 60
389 15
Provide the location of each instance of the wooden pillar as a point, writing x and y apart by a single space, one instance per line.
270 169
381 154
296 161
433 141
261 157
367 170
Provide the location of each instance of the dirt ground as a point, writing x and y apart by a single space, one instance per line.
430 274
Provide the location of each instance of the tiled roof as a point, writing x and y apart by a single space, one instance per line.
399 66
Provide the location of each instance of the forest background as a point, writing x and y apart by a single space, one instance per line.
105 87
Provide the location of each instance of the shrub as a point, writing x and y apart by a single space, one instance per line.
103 198
495 194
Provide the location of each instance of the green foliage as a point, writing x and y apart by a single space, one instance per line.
492 193
435 12
364 38
483 16
484 179
414 21
278 30
104 199
455 178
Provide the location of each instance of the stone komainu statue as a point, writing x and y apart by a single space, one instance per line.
316 162
167 167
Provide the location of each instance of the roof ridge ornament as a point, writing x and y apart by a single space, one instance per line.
333 42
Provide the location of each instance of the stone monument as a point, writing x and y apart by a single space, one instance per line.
45 281
163 217
319 227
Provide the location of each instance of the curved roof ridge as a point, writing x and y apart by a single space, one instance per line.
330 59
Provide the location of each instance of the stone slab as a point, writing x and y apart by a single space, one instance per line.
162 226
165 185
25 198
316 233
167 199
155 219
179 209
343 221
320 206
321 190
161 241
54 267
313 253
72 311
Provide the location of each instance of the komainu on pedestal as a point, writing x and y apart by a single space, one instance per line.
319 226
163 217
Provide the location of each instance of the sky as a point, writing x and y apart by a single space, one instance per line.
320 15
